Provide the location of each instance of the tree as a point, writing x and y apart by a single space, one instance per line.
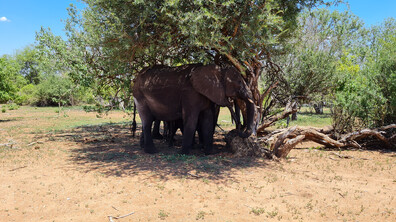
29 60
10 80
365 89
382 61
109 41
310 56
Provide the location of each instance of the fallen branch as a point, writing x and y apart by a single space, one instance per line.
32 143
192 175
288 110
113 217
391 126
283 151
346 156
351 137
8 144
281 142
342 156
18 168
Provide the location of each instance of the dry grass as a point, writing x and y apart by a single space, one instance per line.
85 168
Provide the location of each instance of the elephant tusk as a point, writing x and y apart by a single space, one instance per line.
250 100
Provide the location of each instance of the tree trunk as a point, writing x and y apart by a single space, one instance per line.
294 115
318 107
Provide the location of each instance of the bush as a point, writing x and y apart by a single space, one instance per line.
13 106
26 95
358 102
53 91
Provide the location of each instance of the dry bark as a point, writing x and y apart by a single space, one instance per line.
281 142
290 108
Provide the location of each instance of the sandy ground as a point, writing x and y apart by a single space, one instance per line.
91 173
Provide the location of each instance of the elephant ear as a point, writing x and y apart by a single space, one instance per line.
207 80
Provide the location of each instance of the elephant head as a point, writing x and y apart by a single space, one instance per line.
218 85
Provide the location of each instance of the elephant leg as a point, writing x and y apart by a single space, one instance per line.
189 127
172 132
142 140
147 121
148 140
207 130
194 144
156 130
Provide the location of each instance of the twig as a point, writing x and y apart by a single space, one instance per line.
220 128
249 206
342 156
32 143
8 144
193 175
18 168
113 217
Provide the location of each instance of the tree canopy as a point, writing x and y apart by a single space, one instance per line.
109 41
278 45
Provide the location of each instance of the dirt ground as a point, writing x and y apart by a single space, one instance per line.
92 172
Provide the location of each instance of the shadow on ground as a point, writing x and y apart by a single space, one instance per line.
111 150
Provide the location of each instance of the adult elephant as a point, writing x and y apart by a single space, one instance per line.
188 92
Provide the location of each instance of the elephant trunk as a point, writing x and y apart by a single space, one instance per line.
250 113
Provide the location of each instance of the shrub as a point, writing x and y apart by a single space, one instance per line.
13 106
26 95
53 91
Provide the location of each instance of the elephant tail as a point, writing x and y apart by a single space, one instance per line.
134 120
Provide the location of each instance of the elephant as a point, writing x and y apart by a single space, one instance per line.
156 130
189 92
170 127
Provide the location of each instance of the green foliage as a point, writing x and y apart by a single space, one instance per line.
382 64
26 95
56 90
12 106
310 56
357 99
9 78
30 64
109 41
365 90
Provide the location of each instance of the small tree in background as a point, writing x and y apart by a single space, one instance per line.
10 80
310 56
365 90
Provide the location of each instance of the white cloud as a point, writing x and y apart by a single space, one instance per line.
4 19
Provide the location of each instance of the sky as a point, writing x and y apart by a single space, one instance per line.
21 19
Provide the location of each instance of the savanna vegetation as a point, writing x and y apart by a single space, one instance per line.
288 51
66 150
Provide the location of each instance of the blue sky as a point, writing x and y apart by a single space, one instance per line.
20 19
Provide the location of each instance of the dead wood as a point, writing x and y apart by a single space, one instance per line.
246 147
8 144
18 168
352 137
287 140
113 217
32 143
341 156
290 109
281 142
383 128
283 151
